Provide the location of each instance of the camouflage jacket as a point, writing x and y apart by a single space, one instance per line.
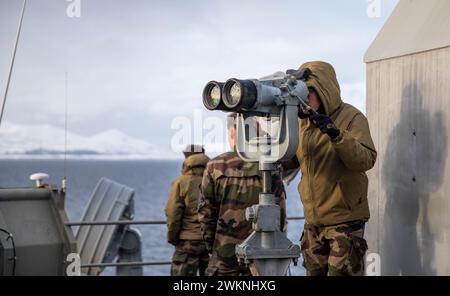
229 186
182 204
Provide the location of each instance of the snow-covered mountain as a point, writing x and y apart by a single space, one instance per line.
18 140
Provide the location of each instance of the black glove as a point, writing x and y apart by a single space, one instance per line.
301 114
326 125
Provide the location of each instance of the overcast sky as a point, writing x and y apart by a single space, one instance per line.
134 65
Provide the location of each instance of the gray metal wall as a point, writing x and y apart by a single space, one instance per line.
408 107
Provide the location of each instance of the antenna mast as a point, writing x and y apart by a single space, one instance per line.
12 61
64 180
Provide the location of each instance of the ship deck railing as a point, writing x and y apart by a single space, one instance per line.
134 222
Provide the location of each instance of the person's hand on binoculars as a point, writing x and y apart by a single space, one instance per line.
326 125
302 112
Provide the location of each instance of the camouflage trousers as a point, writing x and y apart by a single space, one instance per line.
218 267
334 250
189 257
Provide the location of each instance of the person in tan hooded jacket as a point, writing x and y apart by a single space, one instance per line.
334 153
182 216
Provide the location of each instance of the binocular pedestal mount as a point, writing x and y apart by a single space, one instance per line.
267 250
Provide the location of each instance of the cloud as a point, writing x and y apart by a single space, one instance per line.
135 65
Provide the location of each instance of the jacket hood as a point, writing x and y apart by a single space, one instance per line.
323 80
195 162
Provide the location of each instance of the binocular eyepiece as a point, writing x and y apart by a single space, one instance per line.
232 96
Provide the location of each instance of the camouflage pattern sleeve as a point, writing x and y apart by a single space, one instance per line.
208 210
280 193
174 213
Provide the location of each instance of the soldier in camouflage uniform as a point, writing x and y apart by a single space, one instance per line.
182 218
335 151
229 186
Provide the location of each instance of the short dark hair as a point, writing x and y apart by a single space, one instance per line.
193 149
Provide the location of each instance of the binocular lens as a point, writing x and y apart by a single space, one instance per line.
212 96
235 95
215 96
239 94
